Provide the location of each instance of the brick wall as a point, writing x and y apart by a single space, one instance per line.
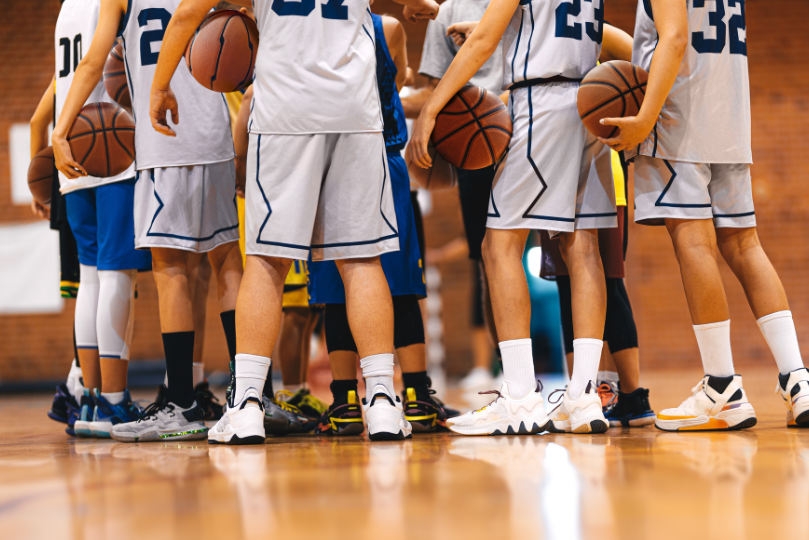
38 346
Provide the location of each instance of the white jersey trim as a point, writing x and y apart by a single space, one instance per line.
188 164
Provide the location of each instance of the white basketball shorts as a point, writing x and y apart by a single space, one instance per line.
191 208
329 193
556 176
683 190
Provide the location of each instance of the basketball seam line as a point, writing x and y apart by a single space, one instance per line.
466 125
480 128
106 140
626 82
115 133
221 46
620 94
623 105
252 52
92 144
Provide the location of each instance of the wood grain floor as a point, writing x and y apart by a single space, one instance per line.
639 484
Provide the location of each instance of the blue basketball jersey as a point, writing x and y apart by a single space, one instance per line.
395 126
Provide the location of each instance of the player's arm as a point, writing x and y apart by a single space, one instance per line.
42 118
413 103
418 9
184 22
616 45
241 140
397 44
460 32
480 45
87 75
671 20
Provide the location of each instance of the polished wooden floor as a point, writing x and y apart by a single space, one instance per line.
640 484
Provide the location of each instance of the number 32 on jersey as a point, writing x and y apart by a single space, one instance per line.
333 9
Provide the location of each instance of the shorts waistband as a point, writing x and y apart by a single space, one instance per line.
534 82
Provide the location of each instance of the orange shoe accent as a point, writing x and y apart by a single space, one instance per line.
712 423
667 417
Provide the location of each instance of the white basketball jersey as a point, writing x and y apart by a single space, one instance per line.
203 134
546 38
706 118
75 28
315 68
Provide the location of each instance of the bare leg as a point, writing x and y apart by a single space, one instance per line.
290 344
343 365
90 368
588 288
695 246
742 250
488 314
627 365
369 305
170 270
226 262
258 309
482 348
412 358
306 345
199 273
113 374
510 299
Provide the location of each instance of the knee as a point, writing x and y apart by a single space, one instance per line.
579 246
733 244
500 245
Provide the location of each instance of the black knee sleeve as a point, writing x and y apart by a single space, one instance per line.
408 326
619 330
338 333
566 311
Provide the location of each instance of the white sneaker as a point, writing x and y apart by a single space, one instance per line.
505 416
384 416
794 389
162 421
477 379
714 405
241 424
582 415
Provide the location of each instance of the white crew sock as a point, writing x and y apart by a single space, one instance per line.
378 369
113 397
251 372
586 357
518 367
609 376
293 388
779 332
199 372
714 347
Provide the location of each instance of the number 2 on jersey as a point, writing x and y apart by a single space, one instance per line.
565 10
716 19
147 56
333 9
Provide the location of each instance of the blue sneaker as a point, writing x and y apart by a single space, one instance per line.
107 415
81 426
62 404
631 410
71 421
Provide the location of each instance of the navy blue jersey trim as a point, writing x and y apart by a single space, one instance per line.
382 198
552 218
369 35
86 347
606 214
530 37
149 233
115 356
531 160
361 243
659 201
125 20
743 214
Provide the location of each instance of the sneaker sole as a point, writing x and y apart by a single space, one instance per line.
58 418
151 436
641 421
712 425
351 429
509 430
239 441
802 421
385 436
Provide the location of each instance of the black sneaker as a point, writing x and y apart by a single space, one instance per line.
425 412
209 402
631 410
343 417
64 404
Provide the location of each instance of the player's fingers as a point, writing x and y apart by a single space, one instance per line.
175 113
78 167
613 122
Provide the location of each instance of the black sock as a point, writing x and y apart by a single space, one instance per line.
179 349
418 379
341 388
75 348
268 390
229 325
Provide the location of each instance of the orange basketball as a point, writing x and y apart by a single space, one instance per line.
102 139
612 90
115 77
41 171
473 130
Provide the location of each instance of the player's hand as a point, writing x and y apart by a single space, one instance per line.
632 131
160 103
460 32
63 158
418 149
420 9
241 175
40 211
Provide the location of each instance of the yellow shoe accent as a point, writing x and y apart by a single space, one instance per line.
713 423
411 394
430 417
352 397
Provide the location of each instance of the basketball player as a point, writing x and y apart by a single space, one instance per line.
403 270
692 173
556 177
293 409
184 201
100 214
475 186
65 406
316 180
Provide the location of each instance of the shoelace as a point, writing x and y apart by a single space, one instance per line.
153 409
283 404
603 390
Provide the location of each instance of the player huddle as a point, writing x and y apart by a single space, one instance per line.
326 183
